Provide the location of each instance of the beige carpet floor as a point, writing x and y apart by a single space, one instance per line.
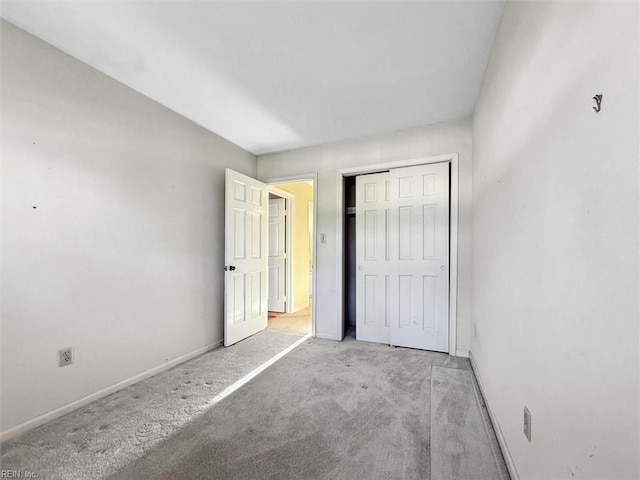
297 322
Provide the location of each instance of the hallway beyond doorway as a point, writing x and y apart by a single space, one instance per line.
297 322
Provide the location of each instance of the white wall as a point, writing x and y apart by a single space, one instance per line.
327 159
556 218
113 230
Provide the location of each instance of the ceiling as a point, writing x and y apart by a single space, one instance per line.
281 75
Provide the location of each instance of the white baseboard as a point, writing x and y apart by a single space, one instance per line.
58 412
513 473
462 353
327 336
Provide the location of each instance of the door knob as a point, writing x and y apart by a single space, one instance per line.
230 267
360 267
442 267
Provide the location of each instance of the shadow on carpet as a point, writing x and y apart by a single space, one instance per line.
333 410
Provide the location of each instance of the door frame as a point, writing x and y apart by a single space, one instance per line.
452 159
288 233
313 177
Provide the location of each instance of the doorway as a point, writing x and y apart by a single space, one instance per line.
246 292
291 256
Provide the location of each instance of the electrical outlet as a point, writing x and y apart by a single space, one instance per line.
527 423
65 356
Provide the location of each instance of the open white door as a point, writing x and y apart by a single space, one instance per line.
402 257
277 254
246 237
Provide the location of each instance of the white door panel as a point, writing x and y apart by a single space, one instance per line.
422 207
402 248
374 278
277 255
245 257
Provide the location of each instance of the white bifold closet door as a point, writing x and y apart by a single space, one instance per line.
402 253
